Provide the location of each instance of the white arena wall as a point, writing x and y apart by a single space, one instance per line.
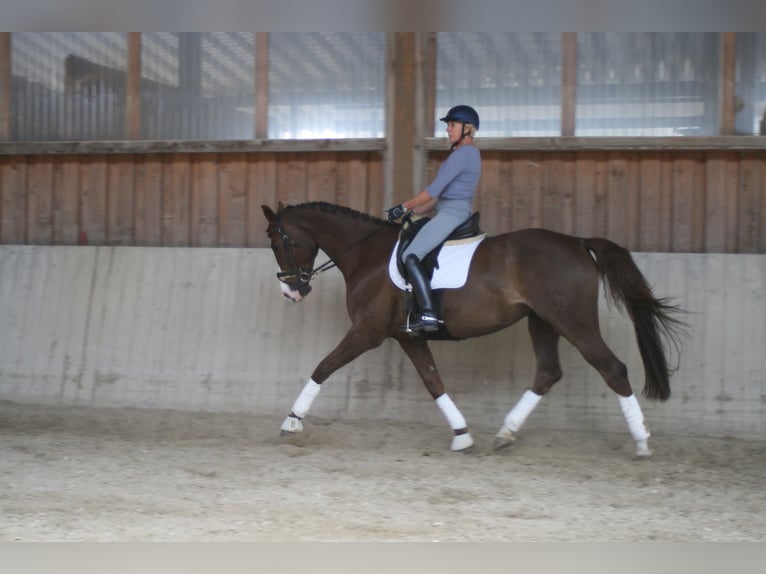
206 330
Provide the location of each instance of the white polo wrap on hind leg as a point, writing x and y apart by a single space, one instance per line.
454 417
520 412
634 417
306 398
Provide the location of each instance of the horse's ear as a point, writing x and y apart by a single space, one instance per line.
280 206
270 215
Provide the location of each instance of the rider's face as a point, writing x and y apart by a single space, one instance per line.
454 131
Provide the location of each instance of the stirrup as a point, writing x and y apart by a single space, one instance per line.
423 323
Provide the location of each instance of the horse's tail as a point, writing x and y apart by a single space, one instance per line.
653 319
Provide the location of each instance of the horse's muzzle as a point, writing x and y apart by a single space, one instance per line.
295 291
295 286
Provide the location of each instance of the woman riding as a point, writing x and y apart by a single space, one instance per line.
451 195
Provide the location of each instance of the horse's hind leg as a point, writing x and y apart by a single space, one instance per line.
420 354
614 372
545 342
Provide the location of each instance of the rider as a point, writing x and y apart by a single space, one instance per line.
451 194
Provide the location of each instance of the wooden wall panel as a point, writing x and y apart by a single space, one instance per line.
749 215
376 189
721 208
558 183
13 201
204 201
93 201
66 200
343 191
491 193
232 195
322 174
618 213
40 201
121 196
357 183
291 178
585 186
176 196
654 200
654 212
526 191
148 205
262 190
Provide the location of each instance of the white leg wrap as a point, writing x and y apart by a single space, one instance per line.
634 417
303 402
518 414
449 410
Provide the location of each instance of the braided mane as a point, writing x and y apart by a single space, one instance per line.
337 209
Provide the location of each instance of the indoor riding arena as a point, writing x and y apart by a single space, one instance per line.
148 358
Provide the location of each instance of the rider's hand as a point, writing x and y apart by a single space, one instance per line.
396 212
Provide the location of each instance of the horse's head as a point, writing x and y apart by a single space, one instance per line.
295 252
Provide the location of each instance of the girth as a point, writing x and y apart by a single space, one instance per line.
411 226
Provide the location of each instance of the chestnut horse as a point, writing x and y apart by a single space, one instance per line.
550 278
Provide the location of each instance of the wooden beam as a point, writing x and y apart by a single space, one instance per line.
425 104
5 86
261 119
400 111
568 82
727 97
429 82
637 143
543 144
133 87
193 146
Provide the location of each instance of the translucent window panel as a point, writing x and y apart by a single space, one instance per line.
68 85
513 79
197 85
647 84
326 85
750 85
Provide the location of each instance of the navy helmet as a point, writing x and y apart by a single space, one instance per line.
465 114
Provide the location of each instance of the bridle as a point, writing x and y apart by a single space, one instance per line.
296 277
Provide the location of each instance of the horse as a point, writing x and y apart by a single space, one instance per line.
550 278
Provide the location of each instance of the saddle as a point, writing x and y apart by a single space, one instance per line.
410 227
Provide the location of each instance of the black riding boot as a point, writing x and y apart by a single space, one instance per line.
426 319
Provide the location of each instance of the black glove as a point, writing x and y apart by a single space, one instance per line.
396 212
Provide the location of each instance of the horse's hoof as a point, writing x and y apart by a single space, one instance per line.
462 443
290 426
504 438
642 451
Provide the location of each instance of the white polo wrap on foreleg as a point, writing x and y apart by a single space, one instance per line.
303 402
520 412
454 417
634 417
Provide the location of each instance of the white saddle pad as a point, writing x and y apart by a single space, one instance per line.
454 260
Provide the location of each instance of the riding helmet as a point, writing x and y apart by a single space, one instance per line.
465 114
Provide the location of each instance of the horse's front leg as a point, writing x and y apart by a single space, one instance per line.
420 354
352 345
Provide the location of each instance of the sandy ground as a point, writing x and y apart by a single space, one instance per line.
84 474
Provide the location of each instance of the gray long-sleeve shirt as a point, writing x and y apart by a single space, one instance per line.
458 176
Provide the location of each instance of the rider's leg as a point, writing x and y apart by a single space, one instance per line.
428 238
428 318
